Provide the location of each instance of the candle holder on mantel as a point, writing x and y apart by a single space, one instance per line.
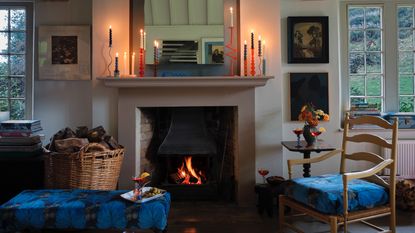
231 52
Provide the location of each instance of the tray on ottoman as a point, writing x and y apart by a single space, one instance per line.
82 209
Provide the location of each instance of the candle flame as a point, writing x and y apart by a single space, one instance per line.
110 26
141 31
231 10
116 54
125 53
133 54
245 42
252 31
259 37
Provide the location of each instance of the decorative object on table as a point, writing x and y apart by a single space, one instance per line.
91 164
308 88
109 50
245 59
212 51
64 53
308 39
252 54
263 172
298 132
139 183
116 70
311 117
231 49
148 194
275 180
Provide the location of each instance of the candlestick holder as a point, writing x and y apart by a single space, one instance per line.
141 63
109 64
231 52
260 66
116 71
245 67
252 62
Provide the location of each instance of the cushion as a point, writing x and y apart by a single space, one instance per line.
81 209
325 193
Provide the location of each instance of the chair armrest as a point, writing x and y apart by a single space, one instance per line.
292 162
366 173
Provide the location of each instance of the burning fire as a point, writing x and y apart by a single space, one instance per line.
187 174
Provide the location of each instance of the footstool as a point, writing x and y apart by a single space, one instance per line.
82 209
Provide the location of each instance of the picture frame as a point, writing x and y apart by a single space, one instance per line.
308 39
308 88
64 52
213 51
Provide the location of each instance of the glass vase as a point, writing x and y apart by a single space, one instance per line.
308 137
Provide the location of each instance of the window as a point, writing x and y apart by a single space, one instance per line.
16 59
379 54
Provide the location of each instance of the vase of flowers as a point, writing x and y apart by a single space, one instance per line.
311 117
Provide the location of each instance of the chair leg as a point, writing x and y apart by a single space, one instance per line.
281 217
392 224
333 224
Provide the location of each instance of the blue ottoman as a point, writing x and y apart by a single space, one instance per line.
82 209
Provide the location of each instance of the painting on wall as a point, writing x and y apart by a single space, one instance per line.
213 50
64 53
308 88
308 39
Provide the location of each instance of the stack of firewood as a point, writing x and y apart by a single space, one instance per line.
405 194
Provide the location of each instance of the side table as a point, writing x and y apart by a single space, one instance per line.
266 194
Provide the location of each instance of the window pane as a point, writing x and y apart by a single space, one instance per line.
373 17
4 45
405 17
356 17
356 41
373 63
18 19
377 101
406 104
374 85
4 105
17 87
406 62
357 85
4 68
406 84
357 101
406 38
4 18
357 63
4 87
17 109
373 42
17 65
17 42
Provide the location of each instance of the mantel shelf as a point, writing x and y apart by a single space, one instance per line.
194 81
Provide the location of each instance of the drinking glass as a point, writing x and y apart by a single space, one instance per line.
263 172
315 134
298 132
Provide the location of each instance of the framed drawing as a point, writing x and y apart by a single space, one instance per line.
308 39
308 88
64 53
212 51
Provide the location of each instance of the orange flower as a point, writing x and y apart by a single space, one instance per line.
311 115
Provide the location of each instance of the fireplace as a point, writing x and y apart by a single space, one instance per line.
190 150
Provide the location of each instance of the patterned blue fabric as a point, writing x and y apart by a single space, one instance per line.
81 209
325 193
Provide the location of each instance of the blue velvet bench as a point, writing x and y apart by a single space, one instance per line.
82 209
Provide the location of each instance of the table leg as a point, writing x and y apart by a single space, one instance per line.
306 166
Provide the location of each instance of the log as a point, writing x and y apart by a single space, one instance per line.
96 134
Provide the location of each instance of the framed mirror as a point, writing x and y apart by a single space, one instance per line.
191 35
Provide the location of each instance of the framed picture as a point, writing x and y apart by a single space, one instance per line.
213 51
308 39
308 88
64 53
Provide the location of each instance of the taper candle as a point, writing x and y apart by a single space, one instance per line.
259 46
245 50
141 38
231 11
110 37
252 39
132 63
116 71
125 63
144 41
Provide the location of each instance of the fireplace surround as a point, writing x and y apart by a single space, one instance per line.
239 92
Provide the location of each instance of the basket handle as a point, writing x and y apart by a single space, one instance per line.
95 146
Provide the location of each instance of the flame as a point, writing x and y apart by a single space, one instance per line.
186 172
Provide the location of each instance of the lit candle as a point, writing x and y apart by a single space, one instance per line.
141 38
259 46
231 11
264 62
116 71
252 39
132 63
245 50
144 40
110 37
125 63
156 46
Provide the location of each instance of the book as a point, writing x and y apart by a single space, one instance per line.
33 125
20 141
14 133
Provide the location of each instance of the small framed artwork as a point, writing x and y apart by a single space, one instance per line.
64 53
213 51
308 88
308 39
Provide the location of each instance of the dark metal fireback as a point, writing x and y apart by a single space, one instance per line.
188 134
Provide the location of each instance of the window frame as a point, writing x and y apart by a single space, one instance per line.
391 51
29 92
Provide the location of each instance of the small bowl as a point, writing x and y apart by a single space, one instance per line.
275 180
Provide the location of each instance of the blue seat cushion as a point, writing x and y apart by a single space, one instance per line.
325 193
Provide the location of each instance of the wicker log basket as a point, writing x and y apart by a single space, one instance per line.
93 167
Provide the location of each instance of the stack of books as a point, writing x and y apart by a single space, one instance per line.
362 109
20 138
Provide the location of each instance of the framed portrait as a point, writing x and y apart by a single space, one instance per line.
308 39
64 53
308 88
213 51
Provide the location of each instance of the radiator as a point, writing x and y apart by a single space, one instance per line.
406 159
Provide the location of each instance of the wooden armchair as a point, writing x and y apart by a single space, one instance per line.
339 199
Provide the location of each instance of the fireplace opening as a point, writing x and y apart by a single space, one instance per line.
190 150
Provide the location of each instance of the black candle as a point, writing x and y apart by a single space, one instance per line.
110 38
245 50
259 47
252 40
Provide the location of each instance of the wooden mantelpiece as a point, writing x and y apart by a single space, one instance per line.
202 81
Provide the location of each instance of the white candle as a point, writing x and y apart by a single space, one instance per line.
144 40
141 38
132 63
125 63
231 10
263 49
